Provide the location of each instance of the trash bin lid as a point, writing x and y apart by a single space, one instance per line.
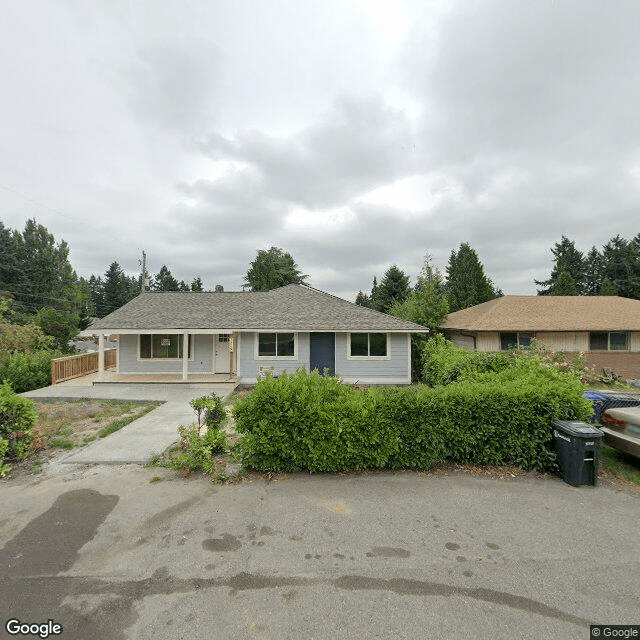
617 395
594 396
577 429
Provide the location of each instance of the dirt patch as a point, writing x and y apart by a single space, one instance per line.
63 425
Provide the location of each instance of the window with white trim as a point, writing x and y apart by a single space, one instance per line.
162 346
368 345
276 345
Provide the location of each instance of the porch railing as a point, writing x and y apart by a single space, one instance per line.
81 365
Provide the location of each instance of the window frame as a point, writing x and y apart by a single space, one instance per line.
626 334
531 334
152 358
369 357
256 346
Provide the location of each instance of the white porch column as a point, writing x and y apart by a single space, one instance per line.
185 355
100 356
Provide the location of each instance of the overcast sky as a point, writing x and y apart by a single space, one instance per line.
354 134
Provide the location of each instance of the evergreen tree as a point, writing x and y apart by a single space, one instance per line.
568 259
83 303
565 285
96 287
271 269
394 287
10 269
467 283
607 288
116 289
196 284
164 281
363 299
620 266
39 273
592 273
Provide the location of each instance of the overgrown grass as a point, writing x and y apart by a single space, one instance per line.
621 464
61 442
116 425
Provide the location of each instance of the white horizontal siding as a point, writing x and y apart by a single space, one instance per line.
128 361
249 365
394 370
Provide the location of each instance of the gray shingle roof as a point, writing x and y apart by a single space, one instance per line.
293 307
549 313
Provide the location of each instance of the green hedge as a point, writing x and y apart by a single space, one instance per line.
27 370
313 422
444 363
17 417
309 421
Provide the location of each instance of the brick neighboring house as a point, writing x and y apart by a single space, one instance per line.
606 328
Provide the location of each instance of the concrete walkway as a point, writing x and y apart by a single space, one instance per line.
145 437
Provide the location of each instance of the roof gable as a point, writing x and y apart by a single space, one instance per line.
549 313
292 307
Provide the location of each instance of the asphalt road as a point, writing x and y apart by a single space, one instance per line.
109 555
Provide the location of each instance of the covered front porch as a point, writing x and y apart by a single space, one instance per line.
110 377
171 357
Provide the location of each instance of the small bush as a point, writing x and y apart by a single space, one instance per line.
17 417
4 447
196 450
210 411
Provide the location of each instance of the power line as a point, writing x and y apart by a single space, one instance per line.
65 215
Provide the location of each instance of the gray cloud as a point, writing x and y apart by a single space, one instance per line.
361 144
203 135
173 87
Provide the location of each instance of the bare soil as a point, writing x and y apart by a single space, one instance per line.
65 425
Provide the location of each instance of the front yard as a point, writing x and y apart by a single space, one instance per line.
63 425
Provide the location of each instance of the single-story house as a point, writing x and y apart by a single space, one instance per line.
245 334
605 328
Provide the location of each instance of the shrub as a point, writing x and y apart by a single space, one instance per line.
444 363
4 468
17 417
313 422
209 410
197 451
27 370
308 421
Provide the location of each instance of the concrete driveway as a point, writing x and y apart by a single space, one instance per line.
109 555
151 434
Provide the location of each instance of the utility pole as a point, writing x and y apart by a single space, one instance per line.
143 278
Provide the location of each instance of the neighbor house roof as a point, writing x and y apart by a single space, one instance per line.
293 307
549 313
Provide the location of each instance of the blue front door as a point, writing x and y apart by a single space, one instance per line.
322 348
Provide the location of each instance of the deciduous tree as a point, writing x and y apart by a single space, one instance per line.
271 269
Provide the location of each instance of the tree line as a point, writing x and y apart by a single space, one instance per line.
463 285
613 270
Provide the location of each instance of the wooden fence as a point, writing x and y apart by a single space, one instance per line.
82 365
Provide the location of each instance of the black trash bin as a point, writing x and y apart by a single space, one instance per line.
603 400
577 446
